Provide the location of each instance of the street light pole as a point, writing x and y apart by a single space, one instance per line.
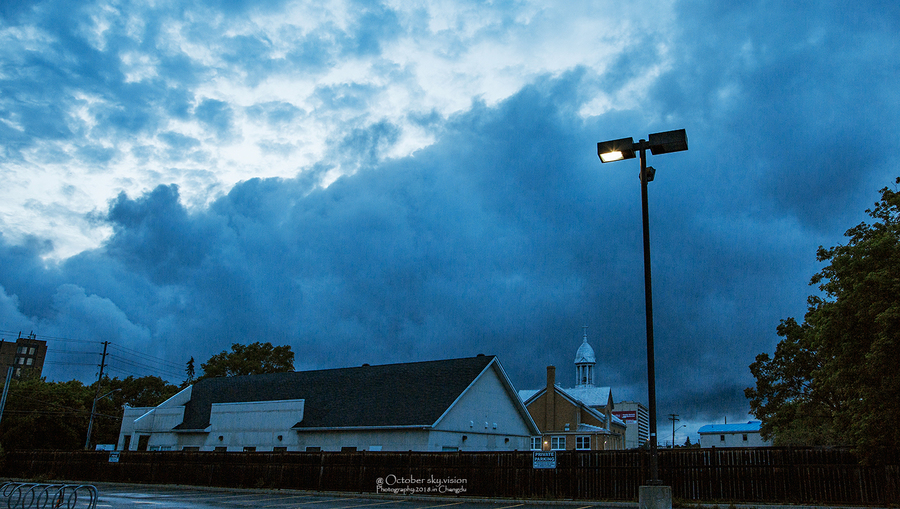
87 441
625 148
647 176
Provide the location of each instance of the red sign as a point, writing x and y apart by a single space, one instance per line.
630 415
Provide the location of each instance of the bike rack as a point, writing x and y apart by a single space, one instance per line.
25 495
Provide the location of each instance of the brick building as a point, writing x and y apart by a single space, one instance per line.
579 418
25 355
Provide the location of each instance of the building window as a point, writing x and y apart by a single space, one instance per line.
721 438
220 449
348 448
31 351
557 443
30 361
745 438
535 443
313 448
583 443
279 449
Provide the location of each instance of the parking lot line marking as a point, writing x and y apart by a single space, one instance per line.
284 501
234 497
442 505
511 506
323 501
367 504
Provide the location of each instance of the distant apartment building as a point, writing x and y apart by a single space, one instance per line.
25 355
637 420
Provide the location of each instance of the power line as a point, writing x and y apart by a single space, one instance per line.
139 362
145 356
139 365
54 338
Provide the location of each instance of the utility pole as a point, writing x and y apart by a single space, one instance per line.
674 418
87 442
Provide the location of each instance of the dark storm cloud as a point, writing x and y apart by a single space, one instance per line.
789 90
426 257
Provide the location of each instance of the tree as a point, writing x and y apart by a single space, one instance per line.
46 415
55 415
792 413
834 378
145 391
189 370
255 359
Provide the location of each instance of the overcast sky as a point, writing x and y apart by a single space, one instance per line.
401 181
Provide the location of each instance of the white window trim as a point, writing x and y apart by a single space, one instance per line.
584 440
556 441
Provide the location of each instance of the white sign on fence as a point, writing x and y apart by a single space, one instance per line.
544 459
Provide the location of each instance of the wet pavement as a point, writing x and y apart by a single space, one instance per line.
121 496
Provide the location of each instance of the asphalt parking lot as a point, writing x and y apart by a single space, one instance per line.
120 496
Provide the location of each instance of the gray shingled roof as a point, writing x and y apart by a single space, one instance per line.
409 394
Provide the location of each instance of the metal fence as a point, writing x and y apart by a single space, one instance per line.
23 495
771 475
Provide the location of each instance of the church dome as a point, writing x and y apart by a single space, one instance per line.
585 354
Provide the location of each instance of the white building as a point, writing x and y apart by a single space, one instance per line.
732 435
459 404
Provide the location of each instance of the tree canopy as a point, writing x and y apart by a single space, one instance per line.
254 359
835 378
54 415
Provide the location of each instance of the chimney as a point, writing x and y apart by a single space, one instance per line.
550 406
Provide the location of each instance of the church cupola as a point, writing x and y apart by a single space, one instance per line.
584 364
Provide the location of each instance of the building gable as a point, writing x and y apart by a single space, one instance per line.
489 405
568 410
395 395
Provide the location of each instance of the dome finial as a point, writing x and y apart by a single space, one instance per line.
584 363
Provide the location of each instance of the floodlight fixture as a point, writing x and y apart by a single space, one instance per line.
669 141
616 150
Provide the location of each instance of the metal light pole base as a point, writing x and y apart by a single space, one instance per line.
655 497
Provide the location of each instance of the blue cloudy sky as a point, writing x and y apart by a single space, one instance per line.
399 181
